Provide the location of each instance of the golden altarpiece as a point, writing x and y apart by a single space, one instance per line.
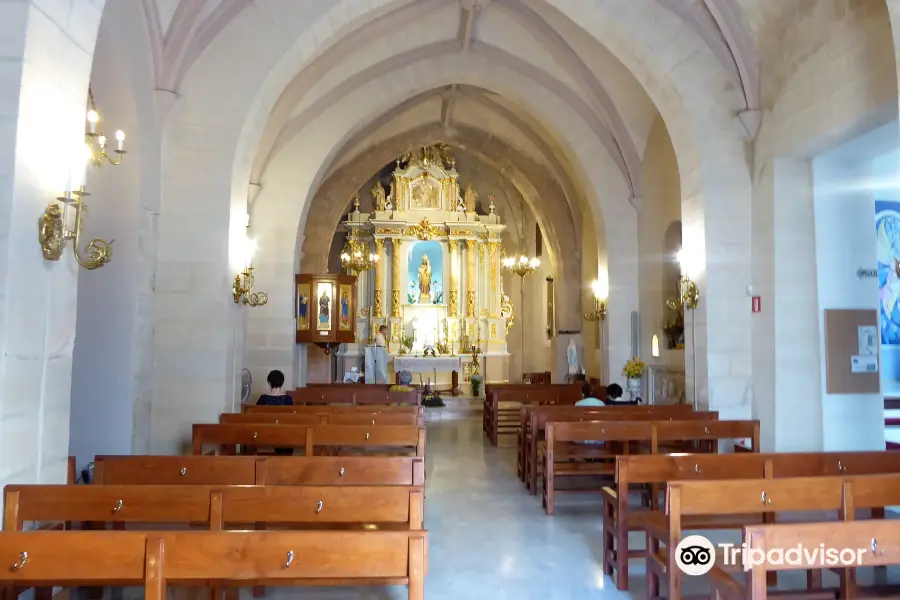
437 282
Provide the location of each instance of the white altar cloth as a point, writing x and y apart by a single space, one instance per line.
425 364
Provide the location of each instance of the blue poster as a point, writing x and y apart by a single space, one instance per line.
887 229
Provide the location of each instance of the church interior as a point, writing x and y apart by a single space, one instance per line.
267 251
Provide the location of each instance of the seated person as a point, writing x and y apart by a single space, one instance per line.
276 397
614 396
405 379
589 400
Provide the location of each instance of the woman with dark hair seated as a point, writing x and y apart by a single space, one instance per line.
614 396
588 400
276 397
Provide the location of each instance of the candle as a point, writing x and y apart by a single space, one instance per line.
92 118
120 137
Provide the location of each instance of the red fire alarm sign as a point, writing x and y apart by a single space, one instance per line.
756 304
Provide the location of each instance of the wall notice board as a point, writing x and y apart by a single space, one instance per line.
851 352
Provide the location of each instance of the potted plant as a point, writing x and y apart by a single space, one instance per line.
476 381
633 370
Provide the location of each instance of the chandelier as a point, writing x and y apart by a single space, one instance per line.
522 265
355 257
96 141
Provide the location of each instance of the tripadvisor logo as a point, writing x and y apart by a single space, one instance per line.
696 555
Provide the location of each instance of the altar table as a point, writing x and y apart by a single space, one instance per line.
424 364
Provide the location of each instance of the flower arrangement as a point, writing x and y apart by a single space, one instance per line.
634 368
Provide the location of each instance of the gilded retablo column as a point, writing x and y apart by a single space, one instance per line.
494 297
379 279
471 281
454 279
395 279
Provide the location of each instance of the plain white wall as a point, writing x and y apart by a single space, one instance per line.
845 242
111 373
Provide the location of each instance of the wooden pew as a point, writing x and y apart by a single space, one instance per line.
347 418
503 404
249 470
570 446
491 391
357 395
538 420
727 504
227 437
217 507
331 408
158 559
525 428
364 436
885 536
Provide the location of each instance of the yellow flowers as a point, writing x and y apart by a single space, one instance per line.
634 368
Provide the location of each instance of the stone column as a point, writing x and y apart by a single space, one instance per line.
454 277
378 307
471 280
395 278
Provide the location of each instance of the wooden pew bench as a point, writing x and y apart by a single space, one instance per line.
571 449
217 507
523 436
380 438
538 420
346 418
505 405
513 391
733 504
331 409
655 470
250 470
885 536
156 560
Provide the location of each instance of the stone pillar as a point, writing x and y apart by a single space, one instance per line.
471 279
395 278
454 277
378 305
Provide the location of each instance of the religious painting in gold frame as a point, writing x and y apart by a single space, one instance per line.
303 306
324 305
345 304
425 193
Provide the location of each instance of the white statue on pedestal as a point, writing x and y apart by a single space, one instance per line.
572 358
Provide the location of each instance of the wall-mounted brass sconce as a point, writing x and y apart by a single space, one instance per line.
53 235
599 313
96 141
690 295
242 289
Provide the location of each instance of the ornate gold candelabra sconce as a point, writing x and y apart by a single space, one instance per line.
688 293
242 288
96 141
599 312
53 232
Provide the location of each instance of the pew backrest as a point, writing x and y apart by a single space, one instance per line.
175 470
346 418
365 436
609 431
248 434
217 506
669 431
268 470
161 558
342 470
754 496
